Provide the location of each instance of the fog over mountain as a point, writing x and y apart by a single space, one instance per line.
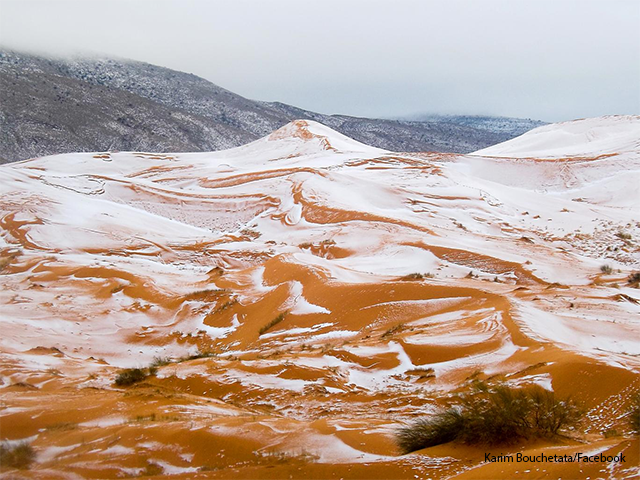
54 106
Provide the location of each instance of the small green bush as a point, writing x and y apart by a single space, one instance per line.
130 376
493 416
606 269
19 456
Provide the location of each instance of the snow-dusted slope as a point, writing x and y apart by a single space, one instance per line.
589 137
390 214
336 288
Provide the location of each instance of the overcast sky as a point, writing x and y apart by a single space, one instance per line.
545 59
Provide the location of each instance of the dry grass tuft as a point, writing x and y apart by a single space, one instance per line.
19 456
272 323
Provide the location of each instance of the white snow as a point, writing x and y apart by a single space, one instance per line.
586 137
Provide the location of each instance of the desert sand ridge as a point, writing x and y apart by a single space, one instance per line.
587 137
308 294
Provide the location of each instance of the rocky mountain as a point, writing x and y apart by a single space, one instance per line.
53 106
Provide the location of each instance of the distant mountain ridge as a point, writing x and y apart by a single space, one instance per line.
53 106
506 125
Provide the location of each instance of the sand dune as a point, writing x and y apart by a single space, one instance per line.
308 295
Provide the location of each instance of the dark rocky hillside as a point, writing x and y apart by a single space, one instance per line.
50 106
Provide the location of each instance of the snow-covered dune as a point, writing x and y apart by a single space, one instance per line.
304 294
589 137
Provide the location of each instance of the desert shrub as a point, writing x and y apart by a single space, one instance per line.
423 433
493 416
146 418
393 330
152 469
130 376
505 414
62 426
200 354
634 414
20 455
160 362
413 276
634 279
417 276
272 323
606 269
226 305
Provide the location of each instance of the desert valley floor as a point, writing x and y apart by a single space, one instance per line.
305 295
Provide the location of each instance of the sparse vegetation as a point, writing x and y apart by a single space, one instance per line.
251 233
395 329
623 235
160 362
129 376
634 414
199 354
417 276
272 323
226 305
19 456
205 293
606 269
62 426
493 416
152 469
146 418
634 279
